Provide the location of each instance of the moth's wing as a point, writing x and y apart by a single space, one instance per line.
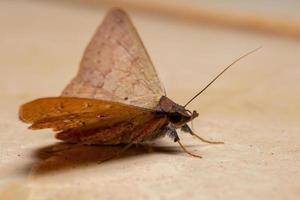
134 130
91 121
64 113
116 67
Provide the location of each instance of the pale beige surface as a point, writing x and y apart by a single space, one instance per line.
255 109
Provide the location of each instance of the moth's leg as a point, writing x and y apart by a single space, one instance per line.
172 133
192 125
124 149
186 128
118 154
186 151
63 146
134 141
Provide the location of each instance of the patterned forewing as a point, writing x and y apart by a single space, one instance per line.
116 67
65 113
133 130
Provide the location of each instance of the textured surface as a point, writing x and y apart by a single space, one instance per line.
254 109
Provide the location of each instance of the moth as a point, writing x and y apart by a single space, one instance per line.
116 96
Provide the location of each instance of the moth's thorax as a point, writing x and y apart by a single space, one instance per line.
176 113
167 105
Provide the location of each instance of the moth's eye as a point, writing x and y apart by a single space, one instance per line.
174 117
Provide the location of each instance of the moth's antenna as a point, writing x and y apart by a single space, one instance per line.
250 52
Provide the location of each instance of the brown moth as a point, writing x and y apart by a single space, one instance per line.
116 97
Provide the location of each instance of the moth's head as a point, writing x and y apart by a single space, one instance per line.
176 114
181 116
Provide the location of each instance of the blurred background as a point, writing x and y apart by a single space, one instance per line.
254 108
